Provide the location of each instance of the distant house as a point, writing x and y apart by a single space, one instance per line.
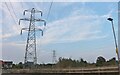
6 64
1 64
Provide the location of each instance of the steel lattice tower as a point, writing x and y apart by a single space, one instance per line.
30 54
54 57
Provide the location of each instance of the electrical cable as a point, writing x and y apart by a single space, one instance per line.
49 10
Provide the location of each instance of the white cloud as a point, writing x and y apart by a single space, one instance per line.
78 26
15 29
17 44
9 27
72 29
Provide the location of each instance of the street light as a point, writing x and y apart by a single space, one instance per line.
110 19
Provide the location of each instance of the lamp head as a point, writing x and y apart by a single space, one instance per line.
110 19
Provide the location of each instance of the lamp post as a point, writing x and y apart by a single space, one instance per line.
110 19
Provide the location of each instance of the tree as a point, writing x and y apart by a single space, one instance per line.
111 61
100 61
83 63
20 65
70 63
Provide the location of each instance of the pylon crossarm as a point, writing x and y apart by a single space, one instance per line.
24 29
26 11
41 20
39 29
37 11
26 19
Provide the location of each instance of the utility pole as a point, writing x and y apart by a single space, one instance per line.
30 53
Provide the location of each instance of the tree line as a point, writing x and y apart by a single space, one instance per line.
70 63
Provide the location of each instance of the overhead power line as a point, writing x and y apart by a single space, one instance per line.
13 9
49 10
10 13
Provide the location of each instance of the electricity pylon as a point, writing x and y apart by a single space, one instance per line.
30 54
54 57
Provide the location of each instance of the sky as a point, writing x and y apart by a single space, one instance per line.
74 30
